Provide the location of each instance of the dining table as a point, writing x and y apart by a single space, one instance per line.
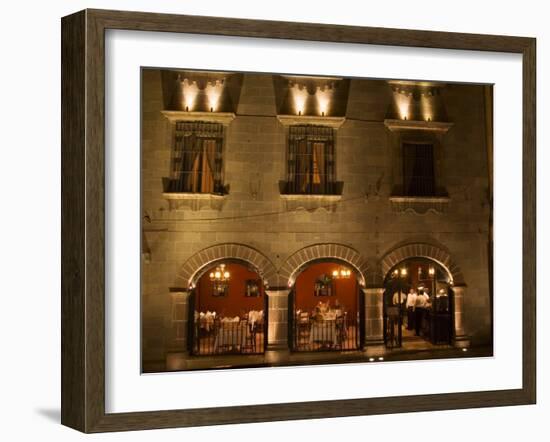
323 332
232 333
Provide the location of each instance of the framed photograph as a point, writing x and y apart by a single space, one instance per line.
253 288
220 289
323 286
244 196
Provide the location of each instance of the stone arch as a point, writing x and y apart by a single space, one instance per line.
422 250
299 259
191 269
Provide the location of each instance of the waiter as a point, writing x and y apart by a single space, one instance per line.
421 304
411 304
399 298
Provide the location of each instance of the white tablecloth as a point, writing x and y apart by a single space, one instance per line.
324 331
206 320
232 335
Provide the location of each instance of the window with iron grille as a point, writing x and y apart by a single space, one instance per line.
311 162
197 158
418 169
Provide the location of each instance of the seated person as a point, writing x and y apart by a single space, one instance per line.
338 308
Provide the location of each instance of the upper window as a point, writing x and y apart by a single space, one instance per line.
418 169
311 165
197 158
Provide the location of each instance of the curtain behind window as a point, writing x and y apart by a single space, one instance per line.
303 166
319 176
197 158
208 165
310 160
418 169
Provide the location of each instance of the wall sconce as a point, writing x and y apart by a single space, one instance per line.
342 273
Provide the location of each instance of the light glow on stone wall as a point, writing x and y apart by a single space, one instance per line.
324 98
299 96
192 94
403 103
189 91
426 104
213 91
414 102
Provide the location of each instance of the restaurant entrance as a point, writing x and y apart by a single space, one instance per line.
418 304
326 312
228 311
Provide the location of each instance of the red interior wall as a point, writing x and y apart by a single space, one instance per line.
235 303
345 289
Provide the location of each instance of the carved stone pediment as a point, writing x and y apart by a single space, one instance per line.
310 203
420 205
194 201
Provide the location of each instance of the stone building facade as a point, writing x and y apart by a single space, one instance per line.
369 222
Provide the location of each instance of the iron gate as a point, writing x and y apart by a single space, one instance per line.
210 334
341 331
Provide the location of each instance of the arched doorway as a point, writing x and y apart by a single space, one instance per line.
325 307
228 313
418 304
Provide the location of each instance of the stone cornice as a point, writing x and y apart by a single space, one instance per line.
224 118
430 126
293 120
191 196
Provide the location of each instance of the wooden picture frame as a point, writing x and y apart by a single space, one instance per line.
83 220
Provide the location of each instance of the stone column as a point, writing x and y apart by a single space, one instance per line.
461 340
179 318
277 327
374 315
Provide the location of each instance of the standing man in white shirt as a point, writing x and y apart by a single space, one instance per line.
411 304
419 310
399 298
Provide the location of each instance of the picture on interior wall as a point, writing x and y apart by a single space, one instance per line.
253 287
304 219
323 286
